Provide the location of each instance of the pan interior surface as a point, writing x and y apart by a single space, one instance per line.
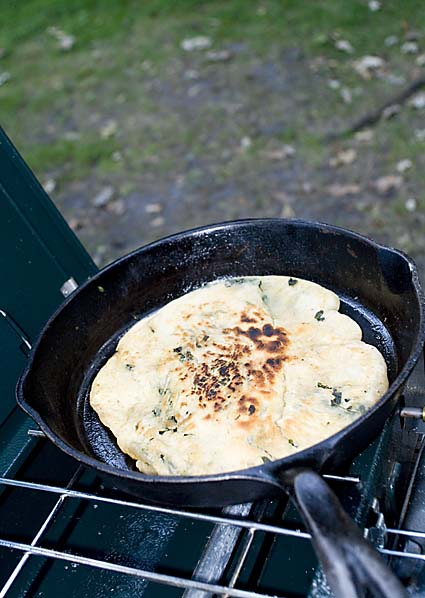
100 443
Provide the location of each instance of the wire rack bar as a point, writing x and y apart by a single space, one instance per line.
405 532
399 553
56 508
248 524
245 548
26 556
170 580
44 527
242 558
341 478
191 585
37 433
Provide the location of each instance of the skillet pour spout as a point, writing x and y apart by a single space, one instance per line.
378 287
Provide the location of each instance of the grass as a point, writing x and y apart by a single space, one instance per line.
82 153
52 92
404 144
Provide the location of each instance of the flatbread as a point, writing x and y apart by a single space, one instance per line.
236 373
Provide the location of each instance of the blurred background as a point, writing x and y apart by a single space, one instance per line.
146 118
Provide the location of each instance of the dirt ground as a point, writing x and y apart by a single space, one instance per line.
212 128
262 151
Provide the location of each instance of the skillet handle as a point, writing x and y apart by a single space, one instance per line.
350 563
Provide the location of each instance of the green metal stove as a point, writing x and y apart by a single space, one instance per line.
64 533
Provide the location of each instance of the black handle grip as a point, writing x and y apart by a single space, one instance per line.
350 563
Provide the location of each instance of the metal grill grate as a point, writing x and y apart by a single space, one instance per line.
192 586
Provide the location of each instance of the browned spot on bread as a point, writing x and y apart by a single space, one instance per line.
257 377
251 315
248 411
247 319
247 358
247 405
274 363
267 338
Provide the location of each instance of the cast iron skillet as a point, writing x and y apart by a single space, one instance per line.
378 287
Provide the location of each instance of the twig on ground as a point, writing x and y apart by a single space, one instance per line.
371 118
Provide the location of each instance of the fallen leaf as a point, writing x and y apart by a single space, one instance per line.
418 101
386 184
320 39
361 205
75 224
346 95
367 65
420 60
373 5
200 42
286 151
365 135
338 190
307 187
146 65
245 143
409 48
391 40
191 75
334 84
65 41
343 157
219 55
153 208
103 197
109 129
404 165
117 207
287 212
159 221
344 46
4 77
194 90
49 185
420 134
411 204
71 136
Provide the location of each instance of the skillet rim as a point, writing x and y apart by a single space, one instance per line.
257 472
